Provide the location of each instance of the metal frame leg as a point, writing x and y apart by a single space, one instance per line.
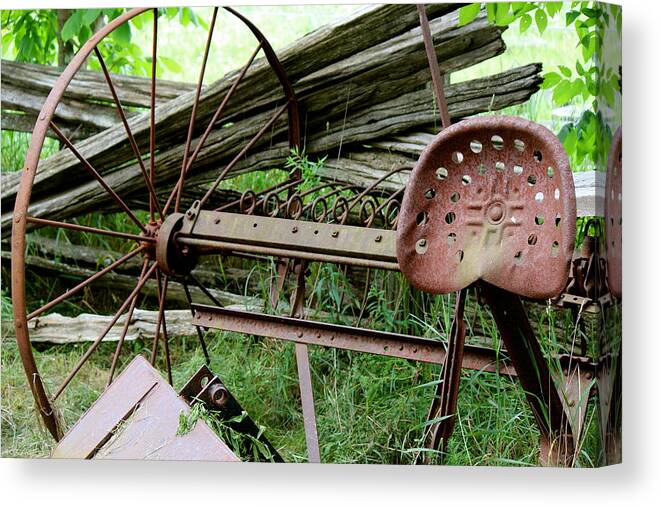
556 439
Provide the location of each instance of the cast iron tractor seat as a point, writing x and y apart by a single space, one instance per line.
491 200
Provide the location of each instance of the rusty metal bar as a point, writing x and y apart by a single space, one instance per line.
346 337
303 368
436 76
92 230
293 238
307 401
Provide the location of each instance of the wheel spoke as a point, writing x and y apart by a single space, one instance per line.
129 133
122 337
206 291
191 125
152 122
160 322
92 230
107 329
97 176
200 335
241 154
180 184
85 283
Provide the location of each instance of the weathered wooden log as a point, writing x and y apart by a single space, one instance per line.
59 329
458 47
20 122
409 111
122 283
87 106
90 86
88 259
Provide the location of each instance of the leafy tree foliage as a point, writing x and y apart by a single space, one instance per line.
33 35
591 80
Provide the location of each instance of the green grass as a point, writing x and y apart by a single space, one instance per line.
369 409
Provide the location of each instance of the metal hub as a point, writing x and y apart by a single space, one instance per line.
172 258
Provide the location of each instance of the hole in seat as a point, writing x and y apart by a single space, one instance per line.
497 142
421 246
441 173
450 217
555 249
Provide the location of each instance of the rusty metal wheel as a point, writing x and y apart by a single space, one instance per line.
146 233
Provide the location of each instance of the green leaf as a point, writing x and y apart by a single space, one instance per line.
568 137
590 13
552 8
525 22
90 15
577 87
571 17
491 12
503 15
468 13
122 34
565 70
551 79
138 22
562 92
71 26
84 34
542 20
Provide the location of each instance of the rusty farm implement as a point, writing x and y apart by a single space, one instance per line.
488 214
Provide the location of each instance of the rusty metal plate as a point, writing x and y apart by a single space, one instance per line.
613 215
490 199
137 417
